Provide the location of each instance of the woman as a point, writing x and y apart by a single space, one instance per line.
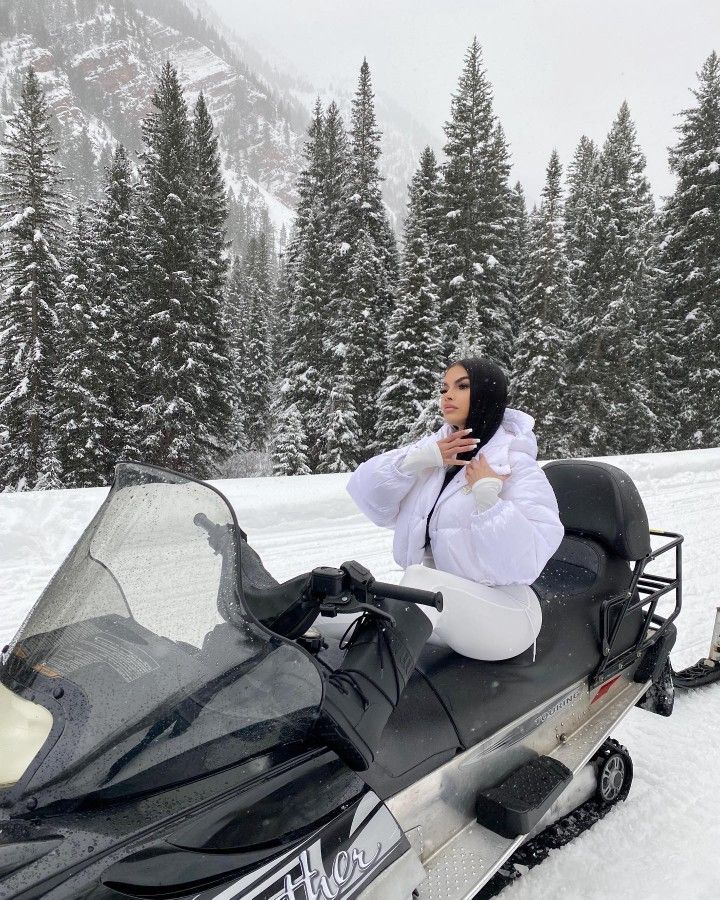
473 513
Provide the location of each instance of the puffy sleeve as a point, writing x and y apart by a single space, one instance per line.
511 542
378 486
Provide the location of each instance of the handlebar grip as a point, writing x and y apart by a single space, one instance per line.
413 595
201 520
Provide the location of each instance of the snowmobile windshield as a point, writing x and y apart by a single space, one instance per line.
141 651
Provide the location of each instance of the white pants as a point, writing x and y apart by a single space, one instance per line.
480 621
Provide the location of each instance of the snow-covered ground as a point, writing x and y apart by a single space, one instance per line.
662 842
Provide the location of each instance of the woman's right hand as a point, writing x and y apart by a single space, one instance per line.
455 443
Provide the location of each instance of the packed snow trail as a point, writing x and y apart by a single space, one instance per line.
661 844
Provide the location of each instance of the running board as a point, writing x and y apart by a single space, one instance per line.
470 859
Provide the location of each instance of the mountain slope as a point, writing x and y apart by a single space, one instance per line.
98 62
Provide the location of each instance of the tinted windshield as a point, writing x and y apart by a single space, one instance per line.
142 651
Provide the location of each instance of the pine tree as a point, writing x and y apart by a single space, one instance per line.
303 387
118 282
83 407
580 211
211 352
235 319
539 377
477 220
367 286
414 338
339 447
289 450
690 260
257 374
281 314
611 392
173 428
309 184
517 256
308 288
338 423
426 207
33 213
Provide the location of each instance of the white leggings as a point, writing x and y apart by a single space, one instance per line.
480 621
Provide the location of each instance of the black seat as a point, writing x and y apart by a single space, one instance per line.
605 529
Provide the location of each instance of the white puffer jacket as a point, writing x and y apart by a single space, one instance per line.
509 543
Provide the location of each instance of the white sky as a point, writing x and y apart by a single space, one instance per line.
559 68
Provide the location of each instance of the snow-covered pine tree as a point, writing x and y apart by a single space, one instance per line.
415 361
235 318
477 217
83 421
269 279
690 259
118 284
661 360
580 229
210 348
302 386
173 429
258 377
281 314
368 286
517 255
580 211
307 282
539 378
289 449
611 395
33 217
309 184
339 447
338 425
427 212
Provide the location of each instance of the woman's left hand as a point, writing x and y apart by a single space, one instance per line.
480 468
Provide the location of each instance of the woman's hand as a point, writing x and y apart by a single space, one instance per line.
480 468
455 443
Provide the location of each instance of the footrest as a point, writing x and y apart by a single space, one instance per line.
516 805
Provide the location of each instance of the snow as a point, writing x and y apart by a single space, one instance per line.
17 219
280 214
661 843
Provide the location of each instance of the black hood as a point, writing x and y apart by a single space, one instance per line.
488 400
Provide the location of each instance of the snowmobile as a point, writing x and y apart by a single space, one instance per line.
174 724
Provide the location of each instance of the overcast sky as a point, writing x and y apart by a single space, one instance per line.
559 68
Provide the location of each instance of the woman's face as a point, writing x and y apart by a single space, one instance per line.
455 396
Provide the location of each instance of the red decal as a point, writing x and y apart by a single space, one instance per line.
603 689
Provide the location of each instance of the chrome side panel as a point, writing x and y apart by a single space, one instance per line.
569 726
398 880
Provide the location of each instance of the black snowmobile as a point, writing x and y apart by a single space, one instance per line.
172 724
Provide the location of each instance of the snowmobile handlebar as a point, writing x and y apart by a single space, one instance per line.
413 595
352 578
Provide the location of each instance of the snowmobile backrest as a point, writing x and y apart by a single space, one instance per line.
600 501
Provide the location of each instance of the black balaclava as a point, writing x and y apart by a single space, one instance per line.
488 401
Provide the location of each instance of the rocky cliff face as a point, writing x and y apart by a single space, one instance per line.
98 62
